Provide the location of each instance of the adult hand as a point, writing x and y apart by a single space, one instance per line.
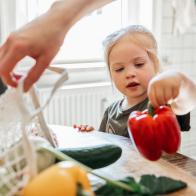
41 39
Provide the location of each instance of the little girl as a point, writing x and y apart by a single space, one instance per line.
131 56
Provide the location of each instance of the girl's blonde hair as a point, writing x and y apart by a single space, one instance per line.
139 35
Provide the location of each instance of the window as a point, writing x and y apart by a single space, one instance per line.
83 43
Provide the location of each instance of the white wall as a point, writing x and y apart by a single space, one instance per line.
179 52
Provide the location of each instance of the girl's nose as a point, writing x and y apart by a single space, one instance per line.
130 73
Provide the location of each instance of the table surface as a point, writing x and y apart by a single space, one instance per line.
131 163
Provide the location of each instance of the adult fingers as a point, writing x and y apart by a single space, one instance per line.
35 72
9 79
7 63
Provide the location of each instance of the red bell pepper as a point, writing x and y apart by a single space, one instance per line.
154 132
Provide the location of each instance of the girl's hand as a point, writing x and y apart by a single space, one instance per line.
164 87
83 128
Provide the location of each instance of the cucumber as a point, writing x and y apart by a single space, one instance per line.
94 156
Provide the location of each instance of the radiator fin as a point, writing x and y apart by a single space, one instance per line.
83 105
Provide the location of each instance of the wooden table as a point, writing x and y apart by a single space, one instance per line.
131 163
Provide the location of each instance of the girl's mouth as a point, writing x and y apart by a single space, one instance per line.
132 84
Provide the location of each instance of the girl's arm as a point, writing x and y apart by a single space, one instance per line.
175 88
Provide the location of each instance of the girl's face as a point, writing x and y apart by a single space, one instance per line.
131 70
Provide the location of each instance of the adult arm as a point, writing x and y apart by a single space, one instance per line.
42 38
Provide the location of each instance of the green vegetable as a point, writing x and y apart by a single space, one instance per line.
4 174
95 156
44 158
162 184
148 185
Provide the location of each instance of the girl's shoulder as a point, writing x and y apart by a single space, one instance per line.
115 105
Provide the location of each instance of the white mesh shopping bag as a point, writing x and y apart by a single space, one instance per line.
20 117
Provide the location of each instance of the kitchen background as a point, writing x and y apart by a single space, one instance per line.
179 51
84 97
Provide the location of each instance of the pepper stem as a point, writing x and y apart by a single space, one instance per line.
150 109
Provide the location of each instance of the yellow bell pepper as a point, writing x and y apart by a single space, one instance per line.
58 180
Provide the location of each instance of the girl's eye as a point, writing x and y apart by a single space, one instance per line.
119 69
139 65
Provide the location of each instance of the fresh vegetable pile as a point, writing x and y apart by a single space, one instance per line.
67 178
47 156
154 131
70 178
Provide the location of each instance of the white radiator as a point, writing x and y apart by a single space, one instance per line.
78 104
